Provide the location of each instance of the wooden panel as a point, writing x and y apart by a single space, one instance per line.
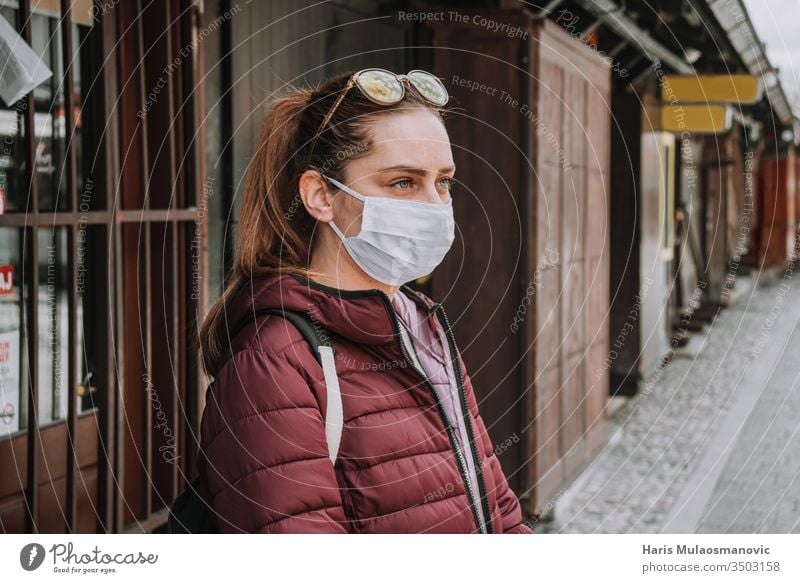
597 301
52 478
571 403
573 314
548 208
550 116
572 220
598 221
548 319
574 99
777 218
598 130
546 442
598 358
597 274
13 454
53 511
597 134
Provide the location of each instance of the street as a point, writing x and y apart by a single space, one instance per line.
712 443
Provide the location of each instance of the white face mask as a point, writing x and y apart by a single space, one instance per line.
400 240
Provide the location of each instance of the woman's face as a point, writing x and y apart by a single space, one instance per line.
409 159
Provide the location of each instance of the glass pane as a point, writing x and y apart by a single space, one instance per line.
11 352
90 249
53 317
217 147
53 337
13 188
50 128
49 114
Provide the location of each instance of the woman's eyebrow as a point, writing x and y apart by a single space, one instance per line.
418 171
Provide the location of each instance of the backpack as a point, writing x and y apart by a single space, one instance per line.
189 513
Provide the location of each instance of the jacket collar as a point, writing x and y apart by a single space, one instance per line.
363 316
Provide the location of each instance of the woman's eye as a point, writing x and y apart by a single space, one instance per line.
402 184
446 183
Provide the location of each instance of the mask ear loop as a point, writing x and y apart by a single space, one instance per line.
345 188
338 232
349 191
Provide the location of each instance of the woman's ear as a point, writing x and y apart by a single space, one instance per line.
315 196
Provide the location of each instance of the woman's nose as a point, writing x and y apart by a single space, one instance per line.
431 194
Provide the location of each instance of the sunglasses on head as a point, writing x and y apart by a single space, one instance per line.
386 88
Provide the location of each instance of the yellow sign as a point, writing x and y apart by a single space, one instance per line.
696 119
740 89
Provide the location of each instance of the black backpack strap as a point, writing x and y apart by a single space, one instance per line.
313 333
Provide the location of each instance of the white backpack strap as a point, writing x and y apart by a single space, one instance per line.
334 415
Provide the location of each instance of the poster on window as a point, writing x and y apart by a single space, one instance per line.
9 382
22 68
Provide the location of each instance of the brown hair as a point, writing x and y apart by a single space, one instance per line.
275 230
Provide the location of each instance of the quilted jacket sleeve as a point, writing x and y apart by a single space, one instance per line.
508 502
510 509
265 451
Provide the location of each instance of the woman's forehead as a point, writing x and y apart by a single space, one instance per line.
416 139
419 123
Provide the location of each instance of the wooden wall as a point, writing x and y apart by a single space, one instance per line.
777 216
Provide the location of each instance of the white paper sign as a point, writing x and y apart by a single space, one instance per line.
9 382
21 69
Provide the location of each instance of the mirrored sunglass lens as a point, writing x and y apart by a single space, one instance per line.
380 86
429 86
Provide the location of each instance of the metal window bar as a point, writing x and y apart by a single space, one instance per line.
30 289
189 24
146 293
107 394
65 23
172 231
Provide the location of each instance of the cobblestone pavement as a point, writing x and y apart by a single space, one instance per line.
712 442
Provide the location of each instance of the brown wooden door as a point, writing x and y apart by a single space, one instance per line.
572 232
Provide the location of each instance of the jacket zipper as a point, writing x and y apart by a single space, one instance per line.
467 416
462 463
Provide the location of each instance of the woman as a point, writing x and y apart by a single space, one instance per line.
414 454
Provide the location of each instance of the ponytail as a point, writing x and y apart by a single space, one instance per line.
272 224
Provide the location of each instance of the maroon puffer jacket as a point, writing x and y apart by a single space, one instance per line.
263 450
